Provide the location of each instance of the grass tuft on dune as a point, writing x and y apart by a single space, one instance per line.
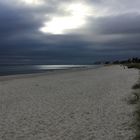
133 65
136 100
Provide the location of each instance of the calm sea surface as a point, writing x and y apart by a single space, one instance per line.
26 69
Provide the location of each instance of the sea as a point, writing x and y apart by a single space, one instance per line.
29 69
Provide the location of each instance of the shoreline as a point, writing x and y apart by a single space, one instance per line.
34 69
45 73
85 104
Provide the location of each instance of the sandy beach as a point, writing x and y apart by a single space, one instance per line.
78 105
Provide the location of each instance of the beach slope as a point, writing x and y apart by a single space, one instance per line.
78 105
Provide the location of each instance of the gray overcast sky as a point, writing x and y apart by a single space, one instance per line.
68 31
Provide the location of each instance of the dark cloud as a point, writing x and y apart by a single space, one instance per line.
120 24
16 22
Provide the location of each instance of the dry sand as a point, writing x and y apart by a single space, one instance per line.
80 105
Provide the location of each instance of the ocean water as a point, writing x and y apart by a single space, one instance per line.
28 69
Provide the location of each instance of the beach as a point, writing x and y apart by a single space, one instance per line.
88 104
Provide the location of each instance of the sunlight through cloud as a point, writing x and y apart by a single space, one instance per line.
32 2
76 19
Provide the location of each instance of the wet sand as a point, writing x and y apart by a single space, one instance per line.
78 105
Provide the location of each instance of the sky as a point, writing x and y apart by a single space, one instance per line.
68 31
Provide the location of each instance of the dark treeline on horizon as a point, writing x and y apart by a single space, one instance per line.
130 60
